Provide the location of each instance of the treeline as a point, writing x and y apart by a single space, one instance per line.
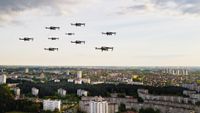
50 88
149 110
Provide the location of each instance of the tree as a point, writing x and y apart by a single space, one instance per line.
140 100
198 103
8 103
122 107
149 110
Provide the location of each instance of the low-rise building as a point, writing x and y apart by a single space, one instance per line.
56 80
81 92
35 91
62 92
3 79
188 92
17 91
174 99
86 80
77 81
51 105
70 80
195 96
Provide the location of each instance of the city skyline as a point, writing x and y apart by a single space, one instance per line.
149 32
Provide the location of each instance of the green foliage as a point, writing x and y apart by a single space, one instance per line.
140 100
79 111
7 102
198 103
6 99
50 89
122 107
148 110
48 111
27 106
121 95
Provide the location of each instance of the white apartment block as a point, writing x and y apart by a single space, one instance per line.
86 80
51 105
81 92
79 74
35 91
62 92
17 91
98 105
174 99
3 79
176 71
70 80
77 81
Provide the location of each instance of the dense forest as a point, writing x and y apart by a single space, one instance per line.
50 88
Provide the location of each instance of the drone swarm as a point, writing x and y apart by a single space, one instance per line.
103 48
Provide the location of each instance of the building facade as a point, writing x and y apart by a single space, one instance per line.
17 91
98 105
79 74
81 92
62 92
3 79
35 91
51 105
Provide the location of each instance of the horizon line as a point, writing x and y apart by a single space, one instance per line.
96 66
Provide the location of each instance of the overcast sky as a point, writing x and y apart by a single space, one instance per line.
149 32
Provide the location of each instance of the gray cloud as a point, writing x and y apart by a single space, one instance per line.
182 6
9 8
137 7
174 6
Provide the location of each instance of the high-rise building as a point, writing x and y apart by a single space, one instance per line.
98 105
51 105
3 79
79 74
35 91
26 70
42 75
67 72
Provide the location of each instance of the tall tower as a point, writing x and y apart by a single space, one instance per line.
68 72
26 70
79 74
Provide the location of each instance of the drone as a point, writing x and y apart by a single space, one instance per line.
26 39
104 48
109 33
78 42
53 28
53 38
51 49
78 24
70 34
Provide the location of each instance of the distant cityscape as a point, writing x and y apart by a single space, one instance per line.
106 89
